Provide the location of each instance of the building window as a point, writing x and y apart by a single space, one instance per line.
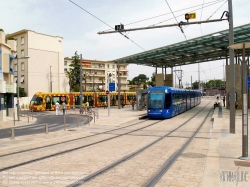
108 65
15 79
65 63
22 66
22 40
65 70
15 67
22 53
22 79
113 66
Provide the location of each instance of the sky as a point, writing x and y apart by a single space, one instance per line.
79 27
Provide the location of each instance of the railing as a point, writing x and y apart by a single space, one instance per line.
74 109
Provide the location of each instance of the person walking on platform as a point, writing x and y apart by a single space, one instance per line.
133 104
224 101
236 106
63 107
105 104
57 108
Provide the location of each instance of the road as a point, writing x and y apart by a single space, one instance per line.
55 123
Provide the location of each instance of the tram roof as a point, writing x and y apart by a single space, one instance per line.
206 48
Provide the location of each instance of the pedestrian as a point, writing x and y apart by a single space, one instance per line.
224 98
57 108
133 104
105 104
236 106
122 103
63 107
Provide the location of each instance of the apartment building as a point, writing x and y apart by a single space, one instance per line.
42 70
7 85
96 73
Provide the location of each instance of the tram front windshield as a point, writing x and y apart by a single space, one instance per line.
36 100
155 99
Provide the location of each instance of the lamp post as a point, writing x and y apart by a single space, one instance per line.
26 57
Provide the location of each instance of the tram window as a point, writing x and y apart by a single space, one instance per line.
55 99
130 98
38 101
91 100
102 98
77 101
167 100
156 99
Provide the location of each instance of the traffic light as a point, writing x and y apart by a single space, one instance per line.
119 27
191 15
187 17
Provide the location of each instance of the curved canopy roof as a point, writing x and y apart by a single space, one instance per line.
202 49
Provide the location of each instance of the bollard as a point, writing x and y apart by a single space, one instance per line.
12 133
64 122
14 118
47 129
77 121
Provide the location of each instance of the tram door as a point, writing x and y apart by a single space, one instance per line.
48 103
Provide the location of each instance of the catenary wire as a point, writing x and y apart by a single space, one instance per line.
217 10
176 19
107 24
201 17
182 14
218 1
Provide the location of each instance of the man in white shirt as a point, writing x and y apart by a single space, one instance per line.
57 108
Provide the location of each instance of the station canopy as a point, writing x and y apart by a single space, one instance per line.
206 48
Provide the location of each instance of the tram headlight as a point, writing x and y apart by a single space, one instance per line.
160 110
148 110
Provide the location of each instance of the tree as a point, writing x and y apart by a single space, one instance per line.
74 73
141 80
152 81
22 93
195 85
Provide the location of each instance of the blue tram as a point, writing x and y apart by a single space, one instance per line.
166 102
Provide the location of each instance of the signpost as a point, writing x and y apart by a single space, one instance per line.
111 86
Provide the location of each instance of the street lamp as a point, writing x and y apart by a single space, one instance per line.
25 57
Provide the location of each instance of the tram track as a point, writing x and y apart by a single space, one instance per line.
107 167
75 139
130 156
79 147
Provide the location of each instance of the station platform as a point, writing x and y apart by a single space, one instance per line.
219 162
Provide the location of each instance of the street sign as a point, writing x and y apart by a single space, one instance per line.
248 82
111 86
107 92
192 15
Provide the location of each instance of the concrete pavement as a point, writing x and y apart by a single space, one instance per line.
210 160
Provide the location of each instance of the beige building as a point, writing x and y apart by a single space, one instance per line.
7 85
96 74
44 69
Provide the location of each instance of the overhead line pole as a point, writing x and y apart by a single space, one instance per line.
232 72
161 26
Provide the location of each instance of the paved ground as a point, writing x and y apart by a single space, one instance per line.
210 160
